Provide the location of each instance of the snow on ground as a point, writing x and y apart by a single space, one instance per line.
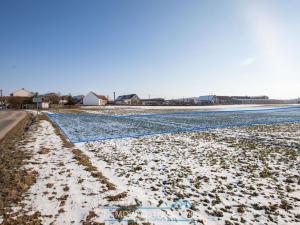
80 128
240 175
167 107
66 193
130 110
245 175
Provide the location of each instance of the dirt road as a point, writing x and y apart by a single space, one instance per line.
8 119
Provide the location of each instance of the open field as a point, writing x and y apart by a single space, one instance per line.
133 110
88 127
234 175
240 175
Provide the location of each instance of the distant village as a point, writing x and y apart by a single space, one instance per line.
25 99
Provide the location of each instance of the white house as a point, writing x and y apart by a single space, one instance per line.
93 99
23 93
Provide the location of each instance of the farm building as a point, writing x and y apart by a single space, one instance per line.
181 101
22 93
131 99
206 99
93 99
153 101
243 100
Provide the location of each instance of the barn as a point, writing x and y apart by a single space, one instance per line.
206 99
93 99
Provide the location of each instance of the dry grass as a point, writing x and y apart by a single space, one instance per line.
44 151
14 180
117 197
66 111
124 211
34 219
80 157
84 160
66 143
89 219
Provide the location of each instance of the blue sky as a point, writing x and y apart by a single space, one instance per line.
151 47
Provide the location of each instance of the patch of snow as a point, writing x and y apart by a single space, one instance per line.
64 192
220 172
239 174
80 128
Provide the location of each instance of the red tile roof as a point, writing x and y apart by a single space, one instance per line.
102 97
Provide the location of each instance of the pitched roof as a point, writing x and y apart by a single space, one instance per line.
206 98
102 97
23 89
124 97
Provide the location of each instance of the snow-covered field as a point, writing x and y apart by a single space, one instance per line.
83 127
239 175
132 110
244 175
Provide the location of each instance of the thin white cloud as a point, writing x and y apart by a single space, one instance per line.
248 61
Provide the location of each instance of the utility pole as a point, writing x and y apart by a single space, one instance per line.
114 96
1 94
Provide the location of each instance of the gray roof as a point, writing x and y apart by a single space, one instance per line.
206 98
125 97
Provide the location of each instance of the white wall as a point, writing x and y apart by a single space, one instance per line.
91 99
45 105
127 101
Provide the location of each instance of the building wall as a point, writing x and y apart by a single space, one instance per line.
91 99
103 102
127 101
44 105
135 100
206 99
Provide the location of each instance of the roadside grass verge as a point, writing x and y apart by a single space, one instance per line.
14 180
58 132
80 157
